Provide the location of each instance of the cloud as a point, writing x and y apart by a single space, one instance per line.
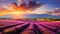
25 4
16 10
41 10
55 12
31 4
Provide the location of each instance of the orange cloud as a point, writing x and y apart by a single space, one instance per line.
14 10
20 0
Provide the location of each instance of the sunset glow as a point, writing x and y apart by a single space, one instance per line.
22 7
29 16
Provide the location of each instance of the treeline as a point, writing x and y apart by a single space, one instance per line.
44 19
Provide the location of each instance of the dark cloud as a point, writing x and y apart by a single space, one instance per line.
31 4
26 4
55 12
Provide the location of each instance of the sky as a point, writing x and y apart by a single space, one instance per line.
51 3
51 7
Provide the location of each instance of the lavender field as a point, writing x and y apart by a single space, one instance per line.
29 27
